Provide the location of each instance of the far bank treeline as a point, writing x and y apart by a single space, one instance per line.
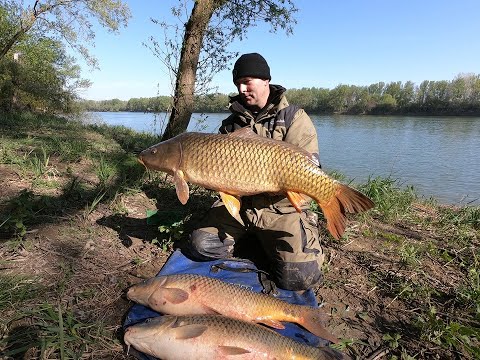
460 96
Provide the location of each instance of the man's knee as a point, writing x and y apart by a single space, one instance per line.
299 275
206 246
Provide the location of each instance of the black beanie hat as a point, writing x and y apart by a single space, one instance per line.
253 65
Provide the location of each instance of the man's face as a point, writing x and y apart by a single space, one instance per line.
254 92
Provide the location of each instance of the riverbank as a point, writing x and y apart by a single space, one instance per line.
404 281
458 97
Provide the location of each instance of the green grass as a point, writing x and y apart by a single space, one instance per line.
449 333
51 331
410 254
392 201
452 241
465 216
39 162
17 289
47 330
29 143
104 170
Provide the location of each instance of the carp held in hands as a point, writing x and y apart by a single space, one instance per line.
243 163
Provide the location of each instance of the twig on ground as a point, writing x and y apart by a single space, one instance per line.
378 354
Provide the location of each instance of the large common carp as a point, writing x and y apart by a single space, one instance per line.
190 294
243 163
214 337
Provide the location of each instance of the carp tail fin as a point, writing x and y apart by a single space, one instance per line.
313 320
345 199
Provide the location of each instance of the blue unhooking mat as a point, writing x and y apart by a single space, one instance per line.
241 272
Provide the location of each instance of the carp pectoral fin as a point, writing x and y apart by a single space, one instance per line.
181 186
296 199
175 296
232 350
232 203
271 323
208 310
189 331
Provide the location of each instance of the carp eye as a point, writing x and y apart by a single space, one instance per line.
153 152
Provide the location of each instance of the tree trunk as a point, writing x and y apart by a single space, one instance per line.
185 82
26 25
11 42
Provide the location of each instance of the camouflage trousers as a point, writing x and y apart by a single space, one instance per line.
276 237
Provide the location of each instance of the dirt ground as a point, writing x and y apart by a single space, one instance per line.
91 258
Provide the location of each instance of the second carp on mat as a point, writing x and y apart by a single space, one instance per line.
189 294
215 337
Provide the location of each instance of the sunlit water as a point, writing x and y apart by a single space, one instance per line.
439 156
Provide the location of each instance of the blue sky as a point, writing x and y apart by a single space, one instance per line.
354 42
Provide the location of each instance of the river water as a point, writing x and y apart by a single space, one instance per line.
438 156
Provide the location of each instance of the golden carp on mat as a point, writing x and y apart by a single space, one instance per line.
243 163
189 294
212 337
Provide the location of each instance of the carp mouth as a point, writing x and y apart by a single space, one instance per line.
150 166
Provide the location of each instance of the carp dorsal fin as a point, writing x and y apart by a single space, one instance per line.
189 331
232 350
245 132
296 199
314 159
181 186
233 204
168 321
